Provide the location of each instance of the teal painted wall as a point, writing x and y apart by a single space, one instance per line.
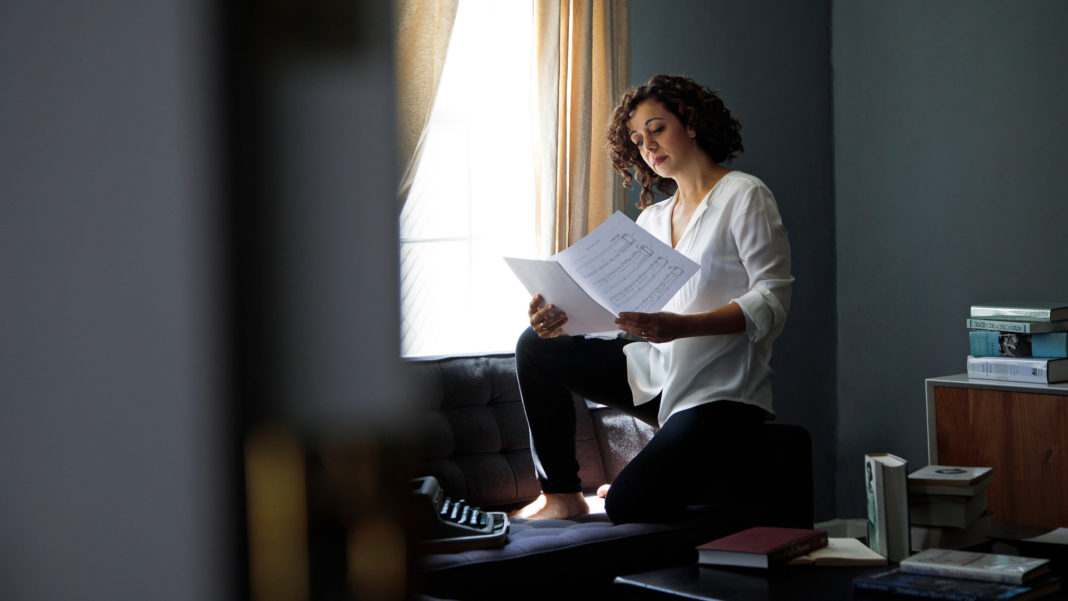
922 178
950 138
770 63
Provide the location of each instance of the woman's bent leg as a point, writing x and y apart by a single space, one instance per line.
549 370
699 457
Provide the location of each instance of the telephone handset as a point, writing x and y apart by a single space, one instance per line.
446 525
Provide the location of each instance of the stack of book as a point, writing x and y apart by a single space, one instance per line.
948 506
964 576
773 546
1018 341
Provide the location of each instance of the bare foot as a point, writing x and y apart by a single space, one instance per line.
555 506
602 490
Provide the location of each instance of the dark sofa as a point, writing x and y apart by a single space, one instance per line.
474 440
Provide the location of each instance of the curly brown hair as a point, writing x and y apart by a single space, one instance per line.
696 107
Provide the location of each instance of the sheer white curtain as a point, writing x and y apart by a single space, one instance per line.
470 199
510 161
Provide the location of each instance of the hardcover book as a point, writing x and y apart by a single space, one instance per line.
1018 369
888 505
946 510
1022 310
894 580
1022 327
992 567
989 343
761 546
947 537
965 479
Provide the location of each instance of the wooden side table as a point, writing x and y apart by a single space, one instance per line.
1019 429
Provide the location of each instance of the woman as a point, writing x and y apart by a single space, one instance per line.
699 368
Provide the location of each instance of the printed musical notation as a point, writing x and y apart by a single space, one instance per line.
617 267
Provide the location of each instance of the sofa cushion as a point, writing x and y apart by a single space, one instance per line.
473 433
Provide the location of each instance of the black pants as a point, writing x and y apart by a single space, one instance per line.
701 461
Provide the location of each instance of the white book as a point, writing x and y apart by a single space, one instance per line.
950 480
1018 369
946 537
1021 310
951 511
886 488
618 267
992 567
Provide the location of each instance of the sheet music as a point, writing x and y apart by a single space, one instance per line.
617 267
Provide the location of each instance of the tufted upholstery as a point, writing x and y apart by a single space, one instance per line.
474 437
474 440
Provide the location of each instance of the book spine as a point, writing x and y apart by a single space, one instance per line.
929 569
1020 327
873 486
993 343
989 343
1015 369
797 550
913 591
1010 313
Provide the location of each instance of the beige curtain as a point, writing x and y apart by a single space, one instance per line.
582 54
422 38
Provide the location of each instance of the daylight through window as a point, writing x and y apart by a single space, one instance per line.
472 198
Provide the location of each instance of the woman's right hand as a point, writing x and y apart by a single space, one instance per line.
547 321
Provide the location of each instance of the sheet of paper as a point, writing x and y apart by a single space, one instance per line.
1057 536
548 278
617 267
625 268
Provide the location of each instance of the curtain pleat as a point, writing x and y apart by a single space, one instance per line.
423 28
582 50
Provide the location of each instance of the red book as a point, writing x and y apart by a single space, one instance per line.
761 547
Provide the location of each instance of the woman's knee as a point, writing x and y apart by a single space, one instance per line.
526 340
627 506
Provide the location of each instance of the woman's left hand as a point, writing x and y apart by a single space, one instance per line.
654 327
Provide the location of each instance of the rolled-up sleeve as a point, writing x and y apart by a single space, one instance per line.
765 252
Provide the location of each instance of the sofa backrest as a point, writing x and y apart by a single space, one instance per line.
474 438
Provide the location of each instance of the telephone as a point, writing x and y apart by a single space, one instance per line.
445 525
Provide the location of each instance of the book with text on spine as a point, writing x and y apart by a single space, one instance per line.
990 343
1021 327
992 567
1018 369
761 546
1021 310
895 581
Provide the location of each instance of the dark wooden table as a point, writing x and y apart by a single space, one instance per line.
706 583
805 582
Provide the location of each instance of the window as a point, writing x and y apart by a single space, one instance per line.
472 200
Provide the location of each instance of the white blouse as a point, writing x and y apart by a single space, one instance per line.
737 237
